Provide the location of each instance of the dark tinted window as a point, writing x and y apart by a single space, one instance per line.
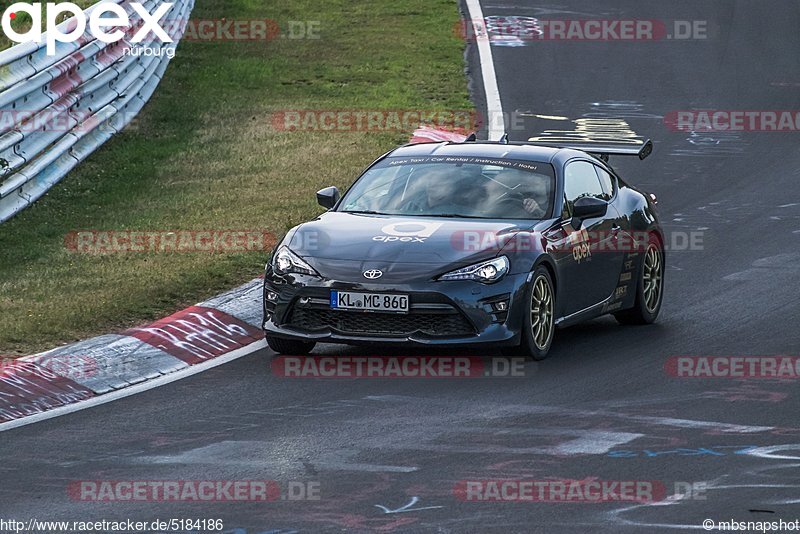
580 180
606 182
455 186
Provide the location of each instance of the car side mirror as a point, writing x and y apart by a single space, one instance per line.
328 197
588 208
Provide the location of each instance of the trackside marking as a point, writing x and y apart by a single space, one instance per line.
494 107
197 334
139 388
26 388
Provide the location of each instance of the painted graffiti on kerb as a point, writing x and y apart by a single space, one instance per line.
197 334
35 390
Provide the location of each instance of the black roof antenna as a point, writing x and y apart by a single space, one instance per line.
504 140
471 138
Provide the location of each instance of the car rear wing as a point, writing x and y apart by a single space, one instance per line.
604 150
599 149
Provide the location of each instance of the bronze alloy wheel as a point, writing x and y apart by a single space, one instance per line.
541 313
652 278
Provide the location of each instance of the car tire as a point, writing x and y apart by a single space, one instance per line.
649 288
539 321
290 347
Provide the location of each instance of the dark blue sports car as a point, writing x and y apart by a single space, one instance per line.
474 243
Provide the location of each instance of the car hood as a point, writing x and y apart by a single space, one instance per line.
387 239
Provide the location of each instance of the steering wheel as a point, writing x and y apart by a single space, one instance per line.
512 203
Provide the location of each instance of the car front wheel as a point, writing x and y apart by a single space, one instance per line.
538 324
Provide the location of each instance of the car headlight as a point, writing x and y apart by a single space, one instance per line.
285 261
487 272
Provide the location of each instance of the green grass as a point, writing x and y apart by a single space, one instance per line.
204 154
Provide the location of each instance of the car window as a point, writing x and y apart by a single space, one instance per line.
606 182
456 186
580 180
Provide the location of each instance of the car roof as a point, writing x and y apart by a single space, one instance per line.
526 152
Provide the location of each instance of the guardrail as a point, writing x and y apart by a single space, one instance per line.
56 110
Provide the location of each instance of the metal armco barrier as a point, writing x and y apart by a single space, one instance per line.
56 110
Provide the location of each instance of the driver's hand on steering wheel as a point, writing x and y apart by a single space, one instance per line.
530 205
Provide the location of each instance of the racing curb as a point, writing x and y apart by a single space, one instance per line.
108 364
426 134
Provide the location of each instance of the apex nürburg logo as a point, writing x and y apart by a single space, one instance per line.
104 16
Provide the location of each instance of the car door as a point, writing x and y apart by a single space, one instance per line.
592 271
620 238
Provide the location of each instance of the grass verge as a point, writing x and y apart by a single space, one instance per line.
204 155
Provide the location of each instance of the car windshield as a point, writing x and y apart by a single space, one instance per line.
442 186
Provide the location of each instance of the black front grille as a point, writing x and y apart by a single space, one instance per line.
386 324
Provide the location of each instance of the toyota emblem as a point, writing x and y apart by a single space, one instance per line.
373 274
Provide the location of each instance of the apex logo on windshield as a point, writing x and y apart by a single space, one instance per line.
407 232
98 22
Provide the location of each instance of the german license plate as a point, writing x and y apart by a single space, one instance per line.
347 300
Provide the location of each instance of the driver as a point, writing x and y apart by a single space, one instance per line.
531 196
436 191
535 198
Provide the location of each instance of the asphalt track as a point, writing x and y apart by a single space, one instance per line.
381 442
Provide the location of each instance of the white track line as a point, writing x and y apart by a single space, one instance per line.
133 390
494 107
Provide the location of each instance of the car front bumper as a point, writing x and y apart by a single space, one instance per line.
441 313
